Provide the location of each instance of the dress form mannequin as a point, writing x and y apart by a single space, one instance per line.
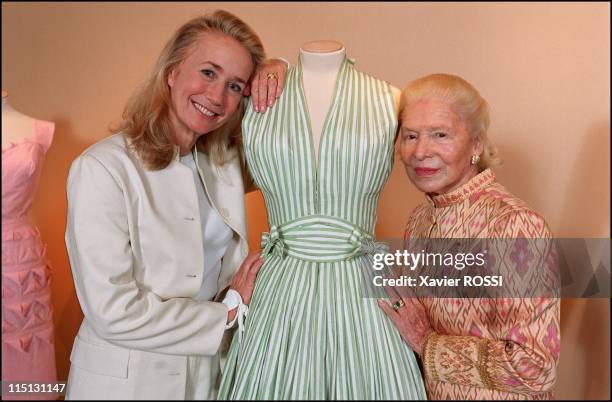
321 60
321 156
15 125
28 351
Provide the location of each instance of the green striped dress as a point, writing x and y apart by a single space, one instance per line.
309 334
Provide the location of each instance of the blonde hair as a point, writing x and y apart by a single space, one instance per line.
146 119
467 102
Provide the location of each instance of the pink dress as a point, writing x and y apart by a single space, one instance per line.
28 352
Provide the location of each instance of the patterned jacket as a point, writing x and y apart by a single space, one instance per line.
487 348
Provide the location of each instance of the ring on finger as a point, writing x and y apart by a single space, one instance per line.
398 304
272 75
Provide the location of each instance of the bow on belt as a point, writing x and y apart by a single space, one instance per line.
319 238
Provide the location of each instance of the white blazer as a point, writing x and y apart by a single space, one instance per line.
135 246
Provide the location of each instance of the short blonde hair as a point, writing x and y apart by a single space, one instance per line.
465 99
146 119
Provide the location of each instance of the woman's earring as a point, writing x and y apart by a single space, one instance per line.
475 159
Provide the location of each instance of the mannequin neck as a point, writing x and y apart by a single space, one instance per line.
9 112
6 106
322 61
15 125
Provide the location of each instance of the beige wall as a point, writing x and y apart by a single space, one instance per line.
544 68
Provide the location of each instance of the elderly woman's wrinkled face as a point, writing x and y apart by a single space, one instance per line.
436 146
206 88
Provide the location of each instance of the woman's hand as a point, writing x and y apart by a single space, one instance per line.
244 280
410 318
267 84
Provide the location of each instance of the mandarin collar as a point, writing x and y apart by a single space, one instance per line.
474 185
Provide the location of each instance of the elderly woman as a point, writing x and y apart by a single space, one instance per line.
471 348
156 222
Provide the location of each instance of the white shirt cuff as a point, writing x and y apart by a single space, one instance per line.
232 300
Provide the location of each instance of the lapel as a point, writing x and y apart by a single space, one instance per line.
225 190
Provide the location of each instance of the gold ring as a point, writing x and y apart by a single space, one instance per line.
398 304
273 75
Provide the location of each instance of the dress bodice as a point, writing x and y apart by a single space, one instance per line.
355 151
21 167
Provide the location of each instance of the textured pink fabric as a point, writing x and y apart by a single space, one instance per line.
28 352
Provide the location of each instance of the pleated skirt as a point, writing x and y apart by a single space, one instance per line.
309 334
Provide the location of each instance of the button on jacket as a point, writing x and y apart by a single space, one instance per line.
135 245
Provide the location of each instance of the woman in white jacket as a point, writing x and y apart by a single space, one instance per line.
156 223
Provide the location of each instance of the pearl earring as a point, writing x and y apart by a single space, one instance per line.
475 159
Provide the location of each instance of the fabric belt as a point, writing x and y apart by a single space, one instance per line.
319 238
